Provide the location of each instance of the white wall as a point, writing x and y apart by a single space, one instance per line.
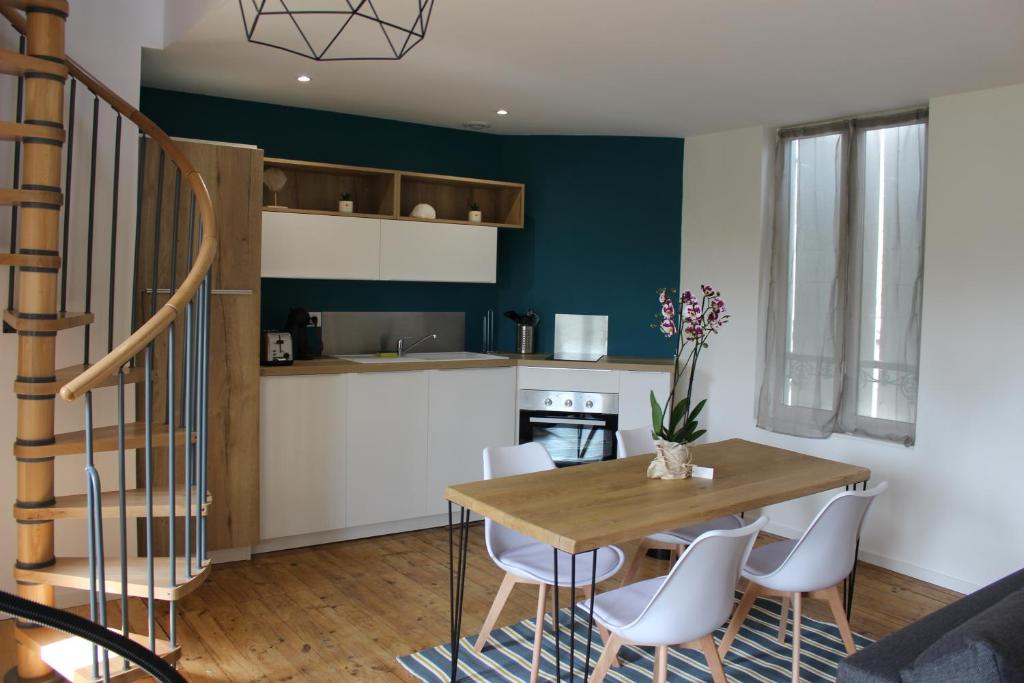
951 513
105 37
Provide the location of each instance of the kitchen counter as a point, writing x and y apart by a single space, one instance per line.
333 366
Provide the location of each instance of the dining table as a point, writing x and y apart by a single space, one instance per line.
577 510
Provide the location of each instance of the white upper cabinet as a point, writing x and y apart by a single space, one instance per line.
437 252
320 246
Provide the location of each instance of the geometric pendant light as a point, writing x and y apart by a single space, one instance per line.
337 30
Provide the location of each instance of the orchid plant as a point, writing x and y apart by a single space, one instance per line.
688 323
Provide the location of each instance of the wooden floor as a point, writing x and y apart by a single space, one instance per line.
345 611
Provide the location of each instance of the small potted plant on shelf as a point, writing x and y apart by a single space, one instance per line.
346 205
689 324
475 214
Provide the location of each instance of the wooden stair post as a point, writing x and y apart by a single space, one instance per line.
37 300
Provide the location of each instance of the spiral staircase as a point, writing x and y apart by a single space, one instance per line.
169 342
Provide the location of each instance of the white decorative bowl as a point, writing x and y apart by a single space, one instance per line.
423 211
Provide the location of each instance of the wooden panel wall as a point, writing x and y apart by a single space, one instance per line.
234 178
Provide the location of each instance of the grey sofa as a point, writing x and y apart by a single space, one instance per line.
979 638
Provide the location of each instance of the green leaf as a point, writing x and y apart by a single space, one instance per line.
697 434
696 409
657 416
678 413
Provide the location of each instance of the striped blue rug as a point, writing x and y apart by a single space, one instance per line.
756 654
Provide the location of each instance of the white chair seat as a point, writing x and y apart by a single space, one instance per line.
766 560
688 534
535 562
620 607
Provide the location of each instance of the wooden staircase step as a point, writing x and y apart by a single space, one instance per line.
64 375
10 130
73 572
10 196
33 260
17 64
104 439
63 321
74 507
71 656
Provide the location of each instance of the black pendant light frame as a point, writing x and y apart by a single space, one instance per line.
363 9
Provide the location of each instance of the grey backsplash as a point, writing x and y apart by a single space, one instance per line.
346 333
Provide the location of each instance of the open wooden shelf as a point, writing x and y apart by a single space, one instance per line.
315 188
501 203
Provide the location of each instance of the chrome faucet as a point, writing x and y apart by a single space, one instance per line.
402 348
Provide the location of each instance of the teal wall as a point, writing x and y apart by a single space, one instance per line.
603 214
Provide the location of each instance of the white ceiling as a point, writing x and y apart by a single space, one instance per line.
627 67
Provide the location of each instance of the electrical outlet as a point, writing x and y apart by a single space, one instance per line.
317 318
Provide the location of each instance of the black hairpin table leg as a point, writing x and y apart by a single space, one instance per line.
457 578
853 572
573 619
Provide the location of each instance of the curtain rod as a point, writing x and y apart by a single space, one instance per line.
918 113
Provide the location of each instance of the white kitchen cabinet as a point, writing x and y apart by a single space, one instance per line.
437 252
386 416
634 396
302 454
469 410
323 246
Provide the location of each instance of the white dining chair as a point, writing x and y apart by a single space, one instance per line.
812 567
683 608
639 441
527 561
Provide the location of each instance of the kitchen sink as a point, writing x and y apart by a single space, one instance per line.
430 357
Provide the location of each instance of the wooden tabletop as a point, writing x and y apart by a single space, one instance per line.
581 508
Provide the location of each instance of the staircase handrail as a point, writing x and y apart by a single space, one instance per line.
110 364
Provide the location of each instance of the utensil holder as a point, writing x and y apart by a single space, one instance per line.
524 338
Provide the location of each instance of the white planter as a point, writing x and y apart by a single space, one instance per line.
476 216
346 206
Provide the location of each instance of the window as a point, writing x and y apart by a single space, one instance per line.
844 301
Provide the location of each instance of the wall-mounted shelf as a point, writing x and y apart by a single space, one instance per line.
500 202
315 188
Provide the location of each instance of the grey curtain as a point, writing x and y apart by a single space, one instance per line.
845 270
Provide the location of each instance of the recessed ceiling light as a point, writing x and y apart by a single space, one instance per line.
502 112
303 79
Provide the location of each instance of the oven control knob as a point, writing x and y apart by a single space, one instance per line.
590 404
568 403
547 401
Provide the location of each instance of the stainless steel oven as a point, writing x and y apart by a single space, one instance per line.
574 427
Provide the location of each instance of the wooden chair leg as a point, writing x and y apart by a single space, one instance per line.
538 633
839 613
661 664
797 613
707 644
783 618
634 564
608 656
492 617
737 619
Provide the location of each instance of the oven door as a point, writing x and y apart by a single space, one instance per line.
570 438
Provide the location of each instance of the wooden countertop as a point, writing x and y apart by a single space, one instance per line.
333 366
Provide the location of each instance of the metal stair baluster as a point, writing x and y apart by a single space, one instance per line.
172 612
68 168
91 229
18 116
113 234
